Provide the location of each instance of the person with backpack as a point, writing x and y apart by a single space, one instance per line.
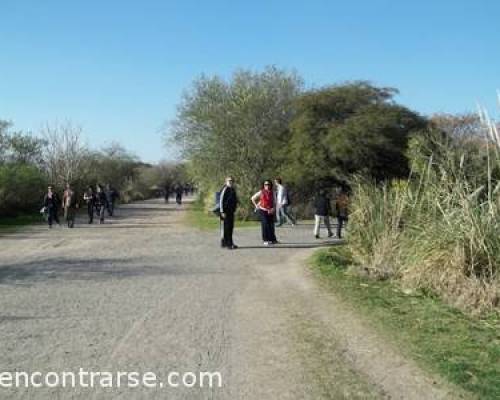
51 204
322 212
90 199
282 204
265 205
228 203
69 204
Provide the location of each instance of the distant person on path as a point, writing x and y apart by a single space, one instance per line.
51 204
100 203
282 204
228 204
322 212
111 197
265 206
69 204
167 193
179 190
342 211
90 199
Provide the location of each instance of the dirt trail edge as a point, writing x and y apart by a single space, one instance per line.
144 292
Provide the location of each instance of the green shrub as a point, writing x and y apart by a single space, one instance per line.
21 189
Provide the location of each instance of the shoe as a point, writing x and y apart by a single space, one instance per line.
232 247
330 235
267 243
316 236
275 242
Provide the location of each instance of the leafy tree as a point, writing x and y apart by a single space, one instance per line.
236 127
352 128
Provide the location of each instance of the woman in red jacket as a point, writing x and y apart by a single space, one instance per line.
265 206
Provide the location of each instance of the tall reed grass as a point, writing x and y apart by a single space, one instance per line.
439 231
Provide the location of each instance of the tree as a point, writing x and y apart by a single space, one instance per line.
236 127
346 129
65 153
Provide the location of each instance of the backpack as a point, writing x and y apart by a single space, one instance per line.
216 209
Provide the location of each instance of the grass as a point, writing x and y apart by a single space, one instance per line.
196 216
463 349
14 223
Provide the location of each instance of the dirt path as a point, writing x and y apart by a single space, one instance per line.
145 293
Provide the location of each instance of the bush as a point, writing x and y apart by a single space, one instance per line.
21 189
438 231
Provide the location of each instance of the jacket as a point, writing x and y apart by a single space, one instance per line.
228 200
53 202
322 205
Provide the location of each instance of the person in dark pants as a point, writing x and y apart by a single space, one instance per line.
228 204
342 211
265 205
179 191
111 197
167 193
51 203
100 203
322 211
89 197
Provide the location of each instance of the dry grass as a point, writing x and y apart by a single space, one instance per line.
438 231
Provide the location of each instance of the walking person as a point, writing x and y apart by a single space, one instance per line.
322 212
228 204
51 204
90 199
179 190
100 203
167 193
111 197
282 204
342 211
265 206
69 205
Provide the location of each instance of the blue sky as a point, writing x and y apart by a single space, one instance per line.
118 68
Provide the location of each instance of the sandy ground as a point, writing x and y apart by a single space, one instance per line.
144 292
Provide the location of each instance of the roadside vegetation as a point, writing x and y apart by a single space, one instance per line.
58 155
461 348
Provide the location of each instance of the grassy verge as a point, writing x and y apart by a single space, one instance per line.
462 349
196 216
14 223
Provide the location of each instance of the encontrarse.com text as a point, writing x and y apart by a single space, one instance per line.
92 379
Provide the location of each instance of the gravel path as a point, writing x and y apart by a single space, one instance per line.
143 292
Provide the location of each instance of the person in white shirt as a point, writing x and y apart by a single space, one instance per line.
282 204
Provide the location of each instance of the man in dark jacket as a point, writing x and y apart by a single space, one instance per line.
322 211
51 203
111 196
89 197
228 205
